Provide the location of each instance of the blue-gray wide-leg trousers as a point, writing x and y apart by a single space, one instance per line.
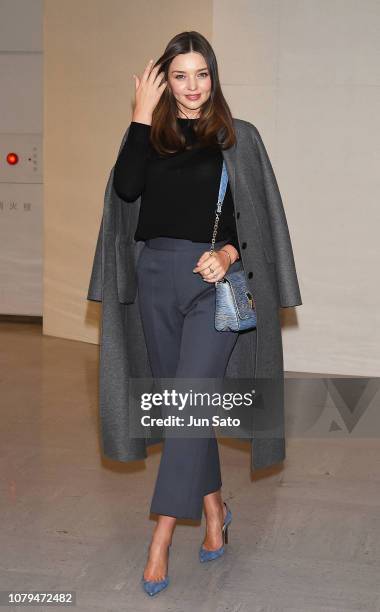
177 310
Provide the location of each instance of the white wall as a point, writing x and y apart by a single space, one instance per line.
307 74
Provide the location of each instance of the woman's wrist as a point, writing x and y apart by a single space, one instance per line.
142 116
231 251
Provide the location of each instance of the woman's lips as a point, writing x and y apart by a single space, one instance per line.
192 97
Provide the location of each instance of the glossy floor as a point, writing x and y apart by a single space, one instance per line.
305 535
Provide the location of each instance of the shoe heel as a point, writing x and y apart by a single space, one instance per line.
225 535
210 555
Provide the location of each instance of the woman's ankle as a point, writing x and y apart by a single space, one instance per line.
163 534
215 514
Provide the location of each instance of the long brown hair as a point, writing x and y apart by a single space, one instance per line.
166 136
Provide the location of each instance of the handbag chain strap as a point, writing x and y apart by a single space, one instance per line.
222 192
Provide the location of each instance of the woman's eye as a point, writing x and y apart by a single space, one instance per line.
203 74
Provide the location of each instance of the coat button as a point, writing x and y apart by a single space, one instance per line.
250 274
244 245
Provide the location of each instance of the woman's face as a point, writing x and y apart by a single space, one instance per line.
189 76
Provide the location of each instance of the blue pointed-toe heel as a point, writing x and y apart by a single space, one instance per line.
210 555
152 587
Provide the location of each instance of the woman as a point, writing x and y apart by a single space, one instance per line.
170 161
176 222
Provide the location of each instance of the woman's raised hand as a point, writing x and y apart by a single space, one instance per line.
147 94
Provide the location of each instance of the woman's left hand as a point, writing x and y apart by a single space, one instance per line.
213 267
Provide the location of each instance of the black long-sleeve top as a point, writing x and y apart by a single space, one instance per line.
179 192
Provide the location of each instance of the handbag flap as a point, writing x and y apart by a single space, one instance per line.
240 293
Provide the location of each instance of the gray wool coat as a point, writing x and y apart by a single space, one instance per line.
268 262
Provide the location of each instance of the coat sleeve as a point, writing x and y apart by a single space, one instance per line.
95 289
289 290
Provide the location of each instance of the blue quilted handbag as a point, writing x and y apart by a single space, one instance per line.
234 303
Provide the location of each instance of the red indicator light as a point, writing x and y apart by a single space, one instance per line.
12 158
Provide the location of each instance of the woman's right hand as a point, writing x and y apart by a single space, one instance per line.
147 94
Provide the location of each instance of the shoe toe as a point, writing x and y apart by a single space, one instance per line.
152 587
